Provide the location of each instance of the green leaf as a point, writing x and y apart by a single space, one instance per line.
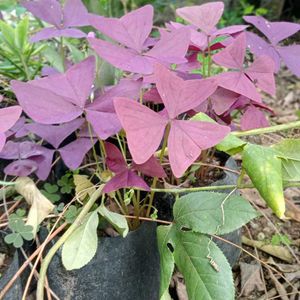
118 221
15 239
54 58
166 258
265 170
212 213
206 272
71 214
289 152
51 188
81 246
21 32
230 144
8 34
278 239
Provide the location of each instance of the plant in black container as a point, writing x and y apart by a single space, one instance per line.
144 152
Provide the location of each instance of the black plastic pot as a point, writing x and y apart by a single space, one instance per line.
122 269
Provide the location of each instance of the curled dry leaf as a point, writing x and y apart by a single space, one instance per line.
251 278
278 251
40 208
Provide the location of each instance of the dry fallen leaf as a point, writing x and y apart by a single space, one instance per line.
250 278
40 208
279 287
2 258
292 210
285 268
83 186
277 251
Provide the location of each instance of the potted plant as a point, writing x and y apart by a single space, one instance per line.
177 102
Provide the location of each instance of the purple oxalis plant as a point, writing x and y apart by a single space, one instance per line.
132 33
186 138
63 18
275 33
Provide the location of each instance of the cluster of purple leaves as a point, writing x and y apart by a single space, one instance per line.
60 106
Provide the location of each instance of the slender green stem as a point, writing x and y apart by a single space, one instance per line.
62 53
93 147
78 221
26 70
162 153
7 183
270 129
121 146
216 188
209 58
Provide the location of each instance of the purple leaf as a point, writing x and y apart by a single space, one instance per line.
21 168
21 150
101 113
58 98
150 168
131 30
243 80
222 100
188 138
55 134
125 179
145 128
253 118
275 32
73 153
114 159
204 17
73 14
44 162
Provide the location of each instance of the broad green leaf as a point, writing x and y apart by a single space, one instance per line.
15 239
54 58
207 274
81 246
77 55
230 144
21 32
118 221
166 258
265 170
212 213
83 186
289 152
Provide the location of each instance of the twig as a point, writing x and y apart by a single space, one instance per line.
280 289
61 241
27 262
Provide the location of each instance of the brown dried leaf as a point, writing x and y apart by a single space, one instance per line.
277 251
292 210
40 208
250 278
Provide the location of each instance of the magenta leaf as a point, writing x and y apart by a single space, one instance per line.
74 153
114 159
145 128
180 95
54 134
133 55
243 80
57 98
204 17
101 113
21 168
188 138
72 14
131 30
8 118
150 168
275 32
253 118
125 179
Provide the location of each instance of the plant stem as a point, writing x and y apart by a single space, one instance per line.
93 147
78 221
271 129
161 156
216 188
62 53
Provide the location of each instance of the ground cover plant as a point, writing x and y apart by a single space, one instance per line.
180 94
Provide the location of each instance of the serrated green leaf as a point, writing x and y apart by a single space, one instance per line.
230 144
289 152
118 221
166 258
82 245
212 213
265 171
21 33
207 274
